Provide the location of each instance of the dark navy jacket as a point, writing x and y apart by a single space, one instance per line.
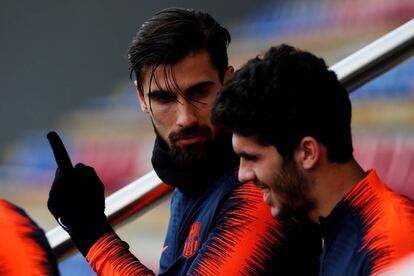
235 235
218 226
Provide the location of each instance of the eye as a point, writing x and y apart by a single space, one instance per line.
248 157
199 92
163 97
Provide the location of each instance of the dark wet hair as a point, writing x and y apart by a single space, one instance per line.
172 34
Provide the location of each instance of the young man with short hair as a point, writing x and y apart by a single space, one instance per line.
291 124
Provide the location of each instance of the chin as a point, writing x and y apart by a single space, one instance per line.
275 212
283 213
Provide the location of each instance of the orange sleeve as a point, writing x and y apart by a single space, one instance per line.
111 256
24 249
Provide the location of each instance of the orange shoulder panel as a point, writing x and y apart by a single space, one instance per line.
250 231
20 253
388 218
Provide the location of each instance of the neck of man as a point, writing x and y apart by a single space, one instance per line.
333 181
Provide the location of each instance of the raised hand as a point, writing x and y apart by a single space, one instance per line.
76 198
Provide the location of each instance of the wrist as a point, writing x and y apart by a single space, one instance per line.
86 231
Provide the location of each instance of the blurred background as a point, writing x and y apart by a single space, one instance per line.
63 67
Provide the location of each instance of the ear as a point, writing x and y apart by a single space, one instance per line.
228 74
141 98
307 154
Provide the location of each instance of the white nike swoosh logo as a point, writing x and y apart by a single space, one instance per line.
60 221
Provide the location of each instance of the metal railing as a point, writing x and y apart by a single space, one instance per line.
353 71
377 57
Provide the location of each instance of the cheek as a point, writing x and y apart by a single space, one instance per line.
276 194
206 110
208 106
162 124
292 184
204 116
161 111
277 187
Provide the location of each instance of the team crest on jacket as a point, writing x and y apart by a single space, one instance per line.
192 242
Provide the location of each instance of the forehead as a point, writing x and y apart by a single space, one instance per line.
250 145
194 68
241 142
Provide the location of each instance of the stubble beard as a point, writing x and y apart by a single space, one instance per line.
294 190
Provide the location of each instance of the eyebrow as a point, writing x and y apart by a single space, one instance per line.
194 87
157 92
200 85
246 155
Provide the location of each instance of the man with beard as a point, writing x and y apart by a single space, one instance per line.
218 226
291 123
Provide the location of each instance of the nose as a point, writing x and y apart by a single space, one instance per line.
186 114
246 173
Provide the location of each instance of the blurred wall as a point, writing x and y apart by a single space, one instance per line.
56 54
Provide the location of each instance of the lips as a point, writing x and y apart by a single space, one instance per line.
265 189
192 139
193 135
260 185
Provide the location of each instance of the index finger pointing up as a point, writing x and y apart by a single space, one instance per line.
59 151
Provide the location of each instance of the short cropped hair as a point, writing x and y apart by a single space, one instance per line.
172 34
284 96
